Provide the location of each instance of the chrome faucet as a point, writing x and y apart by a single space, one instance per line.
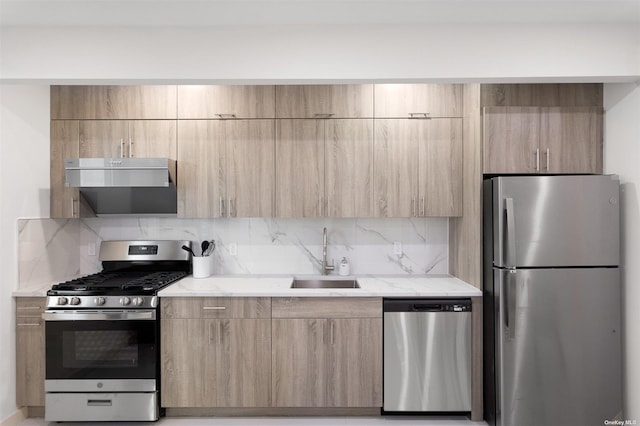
325 268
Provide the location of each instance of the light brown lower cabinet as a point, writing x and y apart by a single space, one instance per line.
327 362
30 362
216 362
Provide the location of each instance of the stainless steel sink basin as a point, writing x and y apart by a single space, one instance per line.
325 284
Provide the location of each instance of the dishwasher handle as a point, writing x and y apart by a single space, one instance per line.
427 305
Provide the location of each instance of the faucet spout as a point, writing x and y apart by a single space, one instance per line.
325 267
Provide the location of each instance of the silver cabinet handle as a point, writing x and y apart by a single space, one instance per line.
214 308
323 115
73 207
548 154
537 159
226 116
221 207
130 148
413 207
422 207
28 308
510 258
232 212
121 147
331 340
419 115
28 325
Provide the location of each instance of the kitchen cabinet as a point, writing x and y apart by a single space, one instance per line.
325 101
543 140
327 352
113 102
324 167
418 100
103 138
226 168
216 352
418 167
30 356
209 102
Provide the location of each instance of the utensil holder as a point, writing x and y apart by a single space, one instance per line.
202 266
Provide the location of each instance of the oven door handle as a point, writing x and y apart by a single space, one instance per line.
99 315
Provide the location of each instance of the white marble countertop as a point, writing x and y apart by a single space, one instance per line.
279 286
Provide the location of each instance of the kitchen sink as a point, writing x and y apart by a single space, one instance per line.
325 284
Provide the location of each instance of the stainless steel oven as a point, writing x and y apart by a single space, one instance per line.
102 335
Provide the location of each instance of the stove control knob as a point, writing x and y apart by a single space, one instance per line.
62 300
100 300
138 301
75 301
125 301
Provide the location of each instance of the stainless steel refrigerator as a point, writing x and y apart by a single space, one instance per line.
552 336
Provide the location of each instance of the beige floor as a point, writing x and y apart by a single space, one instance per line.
281 421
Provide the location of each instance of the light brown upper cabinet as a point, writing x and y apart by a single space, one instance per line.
103 139
324 167
113 102
542 140
418 100
325 101
418 167
226 168
211 102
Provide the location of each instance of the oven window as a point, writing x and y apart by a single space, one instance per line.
101 349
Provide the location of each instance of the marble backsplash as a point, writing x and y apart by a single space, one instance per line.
52 249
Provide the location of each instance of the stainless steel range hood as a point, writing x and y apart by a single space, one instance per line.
124 186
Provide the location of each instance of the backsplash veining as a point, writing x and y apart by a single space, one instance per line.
59 248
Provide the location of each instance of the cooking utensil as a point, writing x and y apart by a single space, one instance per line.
211 248
185 248
204 246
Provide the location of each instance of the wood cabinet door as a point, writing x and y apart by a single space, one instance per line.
325 101
354 364
202 102
416 100
216 363
396 167
349 167
571 140
440 167
251 167
201 156
30 355
113 102
154 139
104 138
299 362
299 168
511 140
64 143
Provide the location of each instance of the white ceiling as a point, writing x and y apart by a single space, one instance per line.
189 13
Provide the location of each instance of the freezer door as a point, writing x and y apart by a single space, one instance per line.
547 221
558 340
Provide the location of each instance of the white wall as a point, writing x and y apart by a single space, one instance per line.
524 52
24 192
622 156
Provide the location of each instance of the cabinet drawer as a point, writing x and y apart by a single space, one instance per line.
29 310
327 307
215 307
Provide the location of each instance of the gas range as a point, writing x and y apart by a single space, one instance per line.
102 334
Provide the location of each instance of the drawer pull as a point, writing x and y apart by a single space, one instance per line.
29 308
28 325
422 115
214 308
99 403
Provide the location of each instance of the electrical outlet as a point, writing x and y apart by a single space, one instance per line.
397 248
91 249
233 249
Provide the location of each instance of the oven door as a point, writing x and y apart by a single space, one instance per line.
101 350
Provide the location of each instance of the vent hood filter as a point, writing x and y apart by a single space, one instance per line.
124 186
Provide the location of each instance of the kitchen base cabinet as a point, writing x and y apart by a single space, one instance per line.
329 361
30 351
216 363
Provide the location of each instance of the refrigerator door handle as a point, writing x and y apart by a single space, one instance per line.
509 298
510 261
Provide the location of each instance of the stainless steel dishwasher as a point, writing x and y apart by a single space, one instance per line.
427 355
